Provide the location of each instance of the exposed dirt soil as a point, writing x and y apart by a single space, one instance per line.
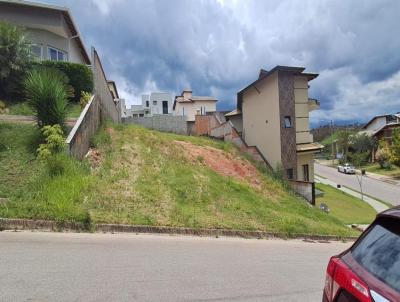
95 158
223 163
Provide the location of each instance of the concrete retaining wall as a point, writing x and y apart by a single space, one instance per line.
166 123
100 108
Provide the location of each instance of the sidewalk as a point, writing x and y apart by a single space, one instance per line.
377 205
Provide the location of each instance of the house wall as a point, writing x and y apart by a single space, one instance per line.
303 134
189 109
261 120
237 122
44 27
305 159
287 109
377 123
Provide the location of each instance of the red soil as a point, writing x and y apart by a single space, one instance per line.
223 163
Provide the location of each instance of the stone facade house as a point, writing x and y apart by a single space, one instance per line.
275 118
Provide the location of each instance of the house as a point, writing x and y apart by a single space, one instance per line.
157 103
113 89
50 29
275 119
380 124
188 105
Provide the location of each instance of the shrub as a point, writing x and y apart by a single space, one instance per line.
15 57
54 141
85 98
80 76
384 155
47 93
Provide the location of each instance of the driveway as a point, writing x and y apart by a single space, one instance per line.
373 187
127 267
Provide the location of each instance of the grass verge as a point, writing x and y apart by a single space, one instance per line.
345 207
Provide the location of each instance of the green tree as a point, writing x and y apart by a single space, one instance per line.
15 57
343 142
395 147
47 92
384 155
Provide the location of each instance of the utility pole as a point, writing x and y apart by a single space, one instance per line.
333 152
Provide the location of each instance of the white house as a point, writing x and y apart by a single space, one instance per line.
152 104
189 105
50 29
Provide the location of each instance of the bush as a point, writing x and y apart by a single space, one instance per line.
15 57
47 93
85 98
54 141
80 76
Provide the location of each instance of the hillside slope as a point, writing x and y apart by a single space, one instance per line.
154 178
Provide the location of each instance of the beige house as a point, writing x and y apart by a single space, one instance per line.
188 105
50 29
275 118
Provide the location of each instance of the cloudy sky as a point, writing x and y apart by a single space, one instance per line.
216 47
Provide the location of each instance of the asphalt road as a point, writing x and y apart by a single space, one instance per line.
373 187
128 267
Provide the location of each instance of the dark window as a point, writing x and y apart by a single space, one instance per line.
56 55
289 173
141 114
154 102
147 104
379 252
288 122
165 107
306 174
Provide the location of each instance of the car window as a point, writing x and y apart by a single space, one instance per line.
379 252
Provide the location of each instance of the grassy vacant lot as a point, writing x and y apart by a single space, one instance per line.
345 207
138 176
375 168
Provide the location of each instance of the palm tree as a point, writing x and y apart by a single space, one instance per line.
47 92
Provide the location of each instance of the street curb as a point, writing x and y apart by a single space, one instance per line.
48 225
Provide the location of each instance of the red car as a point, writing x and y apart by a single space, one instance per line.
370 269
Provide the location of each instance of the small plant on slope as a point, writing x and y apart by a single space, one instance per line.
47 91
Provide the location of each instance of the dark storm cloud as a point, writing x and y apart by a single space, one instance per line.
217 47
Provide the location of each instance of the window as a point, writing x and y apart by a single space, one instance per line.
141 114
379 252
288 122
36 51
54 54
306 174
147 104
154 103
289 173
165 107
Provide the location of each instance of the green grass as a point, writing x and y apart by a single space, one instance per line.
394 171
23 108
144 178
345 207
26 184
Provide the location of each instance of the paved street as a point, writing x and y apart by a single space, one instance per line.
128 267
373 187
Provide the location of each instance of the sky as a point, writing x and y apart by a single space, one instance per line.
217 47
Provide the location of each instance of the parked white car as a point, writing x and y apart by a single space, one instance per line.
347 169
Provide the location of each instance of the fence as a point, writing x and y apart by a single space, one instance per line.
304 189
166 123
101 107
